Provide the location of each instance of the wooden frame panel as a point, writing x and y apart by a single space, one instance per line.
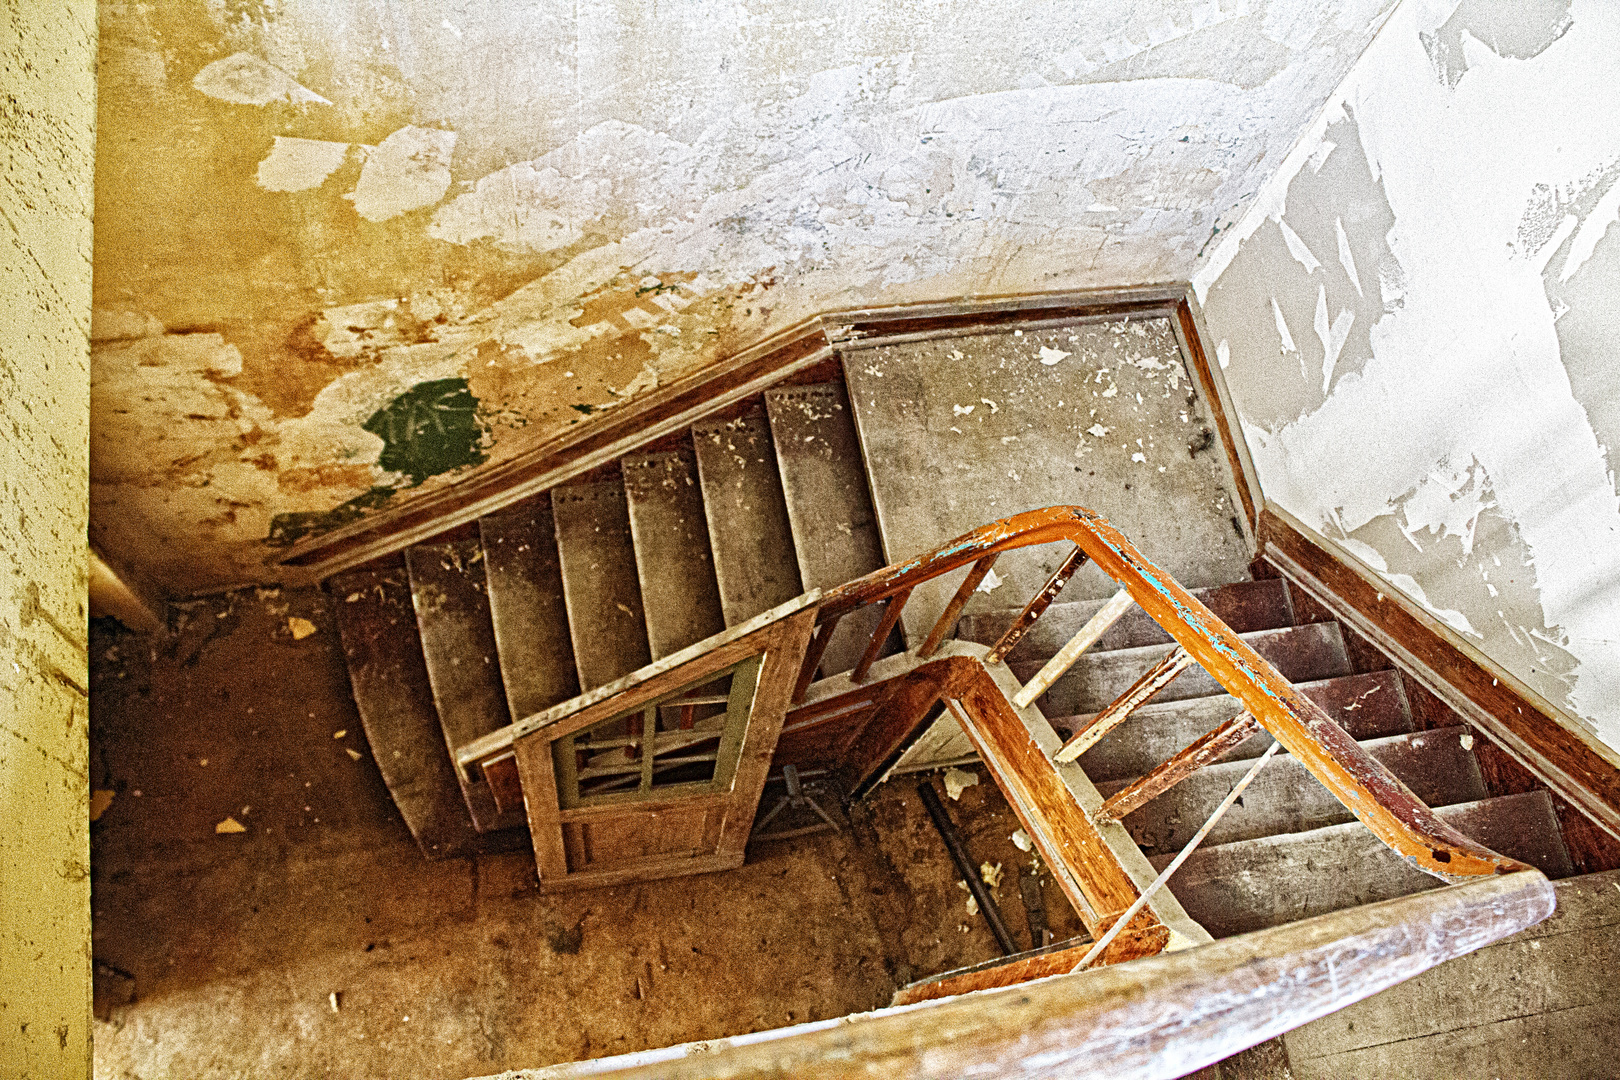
665 832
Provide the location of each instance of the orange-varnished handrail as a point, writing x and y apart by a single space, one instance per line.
1369 790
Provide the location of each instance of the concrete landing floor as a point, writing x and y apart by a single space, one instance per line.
318 942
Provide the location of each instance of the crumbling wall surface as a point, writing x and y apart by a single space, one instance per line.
348 252
1417 322
47 123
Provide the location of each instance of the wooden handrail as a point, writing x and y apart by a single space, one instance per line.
1364 785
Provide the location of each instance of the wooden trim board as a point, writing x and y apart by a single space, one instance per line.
1532 730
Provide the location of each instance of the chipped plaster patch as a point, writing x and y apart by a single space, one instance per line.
244 79
300 164
407 171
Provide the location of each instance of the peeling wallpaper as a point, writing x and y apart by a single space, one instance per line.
307 210
1417 319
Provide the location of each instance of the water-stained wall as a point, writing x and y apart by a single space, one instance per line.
47 123
348 251
1417 322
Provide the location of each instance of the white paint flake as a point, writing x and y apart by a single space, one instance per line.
1098 430
1346 258
1282 329
1297 248
300 164
1332 337
1604 214
409 170
1050 356
244 79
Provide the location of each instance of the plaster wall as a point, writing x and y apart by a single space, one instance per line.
307 211
1416 320
47 128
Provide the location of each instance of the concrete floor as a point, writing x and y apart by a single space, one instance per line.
234 944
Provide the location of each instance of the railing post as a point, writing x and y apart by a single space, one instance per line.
953 611
1037 606
812 658
891 615
1207 748
1088 636
1156 679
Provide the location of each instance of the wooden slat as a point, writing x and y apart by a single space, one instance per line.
1209 748
1037 606
953 610
1152 681
1015 971
891 615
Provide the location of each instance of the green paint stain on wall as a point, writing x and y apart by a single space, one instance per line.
432 428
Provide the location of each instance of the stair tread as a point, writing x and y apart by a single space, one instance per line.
1286 798
1300 653
458 645
395 700
965 430
1253 884
749 532
1368 706
679 595
600 586
1245 606
828 506
526 607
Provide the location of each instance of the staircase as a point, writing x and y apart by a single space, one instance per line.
619 662
1289 850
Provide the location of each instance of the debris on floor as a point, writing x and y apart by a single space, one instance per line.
1022 841
99 801
957 780
230 825
991 873
299 628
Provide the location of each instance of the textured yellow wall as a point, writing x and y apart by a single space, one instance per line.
47 121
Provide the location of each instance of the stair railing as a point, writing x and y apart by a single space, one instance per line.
1364 785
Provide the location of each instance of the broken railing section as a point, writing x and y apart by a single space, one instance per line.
1156 678
1366 787
1205 750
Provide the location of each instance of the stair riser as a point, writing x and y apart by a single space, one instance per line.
1286 798
1300 654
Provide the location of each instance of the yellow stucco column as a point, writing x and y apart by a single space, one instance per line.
47 119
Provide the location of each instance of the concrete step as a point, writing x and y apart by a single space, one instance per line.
526 607
828 505
1252 884
961 431
458 645
1286 798
1371 706
749 531
1299 653
1245 606
600 586
395 699
679 594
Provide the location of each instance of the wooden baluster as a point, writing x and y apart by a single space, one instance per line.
891 615
1036 607
1157 678
812 658
1095 628
1208 748
953 611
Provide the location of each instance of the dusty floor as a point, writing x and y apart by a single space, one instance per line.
318 942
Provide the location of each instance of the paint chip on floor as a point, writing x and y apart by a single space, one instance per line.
957 780
300 628
230 825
